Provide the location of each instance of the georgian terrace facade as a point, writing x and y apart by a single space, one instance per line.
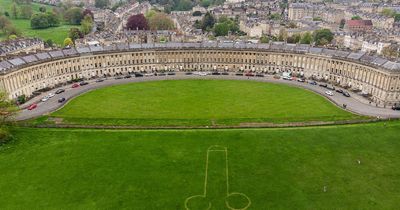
372 75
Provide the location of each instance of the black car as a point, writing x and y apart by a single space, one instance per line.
127 76
323 85
339 90
225 73
83 83
138 75
119 77
60 91
330 88
215 73
396 107
239 74
60 100
188 73
100 80
313 83
171 73
346 94
161 74
259 75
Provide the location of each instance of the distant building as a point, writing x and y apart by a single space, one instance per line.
359 25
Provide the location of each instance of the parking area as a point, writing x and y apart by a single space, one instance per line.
52 100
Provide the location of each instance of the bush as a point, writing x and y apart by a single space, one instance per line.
5 135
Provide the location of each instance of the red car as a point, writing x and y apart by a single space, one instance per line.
249 74
32 106
75 85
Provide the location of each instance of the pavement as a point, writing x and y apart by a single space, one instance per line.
355 103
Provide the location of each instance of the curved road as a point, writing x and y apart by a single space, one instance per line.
355 103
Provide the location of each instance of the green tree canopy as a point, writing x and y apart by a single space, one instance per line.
87 24
39 20
306 38
73 15
160 21
323 36
101 3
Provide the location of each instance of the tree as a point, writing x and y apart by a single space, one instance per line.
88 12
264 39
101 3
388 12
25 12
49 43
52 19
7 113
42 9
14 11
356 17
342 23
11 29
306 38
74 34
390 51
4 22
397 17
161 21
68 42
295 38
323 36
12 37
205 3
282 36
39 21
87 24
73 16
221 29
208 22
137 22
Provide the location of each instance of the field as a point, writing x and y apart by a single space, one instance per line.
332 167
199 102
57 34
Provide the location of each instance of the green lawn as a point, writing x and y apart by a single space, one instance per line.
57 34
153 169
199 102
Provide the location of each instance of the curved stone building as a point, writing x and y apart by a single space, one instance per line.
372 75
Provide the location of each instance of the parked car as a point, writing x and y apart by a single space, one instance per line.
346 94
301 80
215 73
100 80
329 93
287 78
396 107
202 74
119 77
188 73
32 106
239 74
149 74
75 85
50 95
161 74
225 73
44 99
313 83
83 83
259 75
323 85
249 74
60 100
339 90
138 75
330 87
171 73
127 76
60 91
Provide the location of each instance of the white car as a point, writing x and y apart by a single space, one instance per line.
50 95
329 93
149 74
202 74
45 98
